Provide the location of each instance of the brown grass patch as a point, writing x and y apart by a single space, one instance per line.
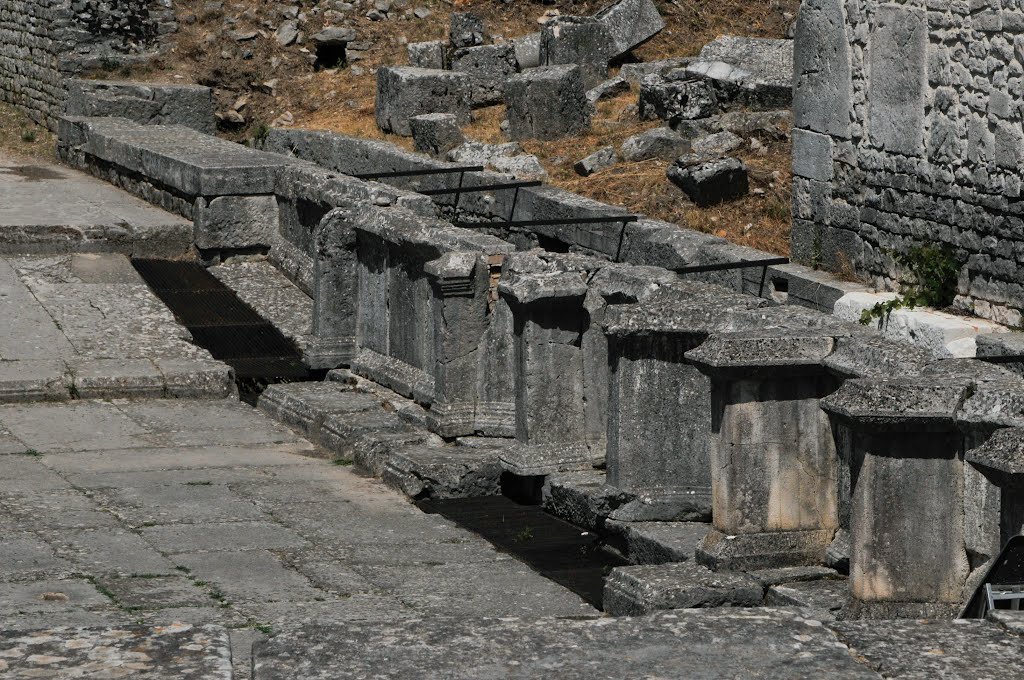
342 100
21 138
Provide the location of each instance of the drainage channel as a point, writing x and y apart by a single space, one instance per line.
559 551
225 326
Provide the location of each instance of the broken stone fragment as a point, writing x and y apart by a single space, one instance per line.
287 33
607 90
335 36
711 182
527 50
716 145
595 162
661 143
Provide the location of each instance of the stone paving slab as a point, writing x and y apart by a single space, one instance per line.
85 325
91 215
697 645
178 652
122 516
920 650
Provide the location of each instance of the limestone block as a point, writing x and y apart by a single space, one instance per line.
547 103
488 67
229 222
431 54
897 87
146 103
595 162
406 91
584 41
821 62
436 133
756 72
812 155
527 49
677 97
631 23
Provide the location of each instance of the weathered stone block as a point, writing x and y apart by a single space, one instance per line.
584 41
406 91
676 96
595 162
755 72
897 86
436 133
631 23
547 103
632 591
821 62
432 54
229 222
711 182
489 67
146 103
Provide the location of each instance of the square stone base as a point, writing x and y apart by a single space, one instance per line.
769 550
328 353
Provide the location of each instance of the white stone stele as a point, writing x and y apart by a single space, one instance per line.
946 335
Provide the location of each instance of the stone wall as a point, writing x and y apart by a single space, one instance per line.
43 42
908 131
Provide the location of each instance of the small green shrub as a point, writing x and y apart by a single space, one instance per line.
933 279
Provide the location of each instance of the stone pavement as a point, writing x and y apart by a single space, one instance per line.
114 513
50 208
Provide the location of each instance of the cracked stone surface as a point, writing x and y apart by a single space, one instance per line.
85 325
129 515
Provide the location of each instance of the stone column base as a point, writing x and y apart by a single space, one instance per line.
877 610
769 550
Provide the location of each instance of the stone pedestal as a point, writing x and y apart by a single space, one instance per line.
423 293
461 285
549 320
659 404
774 470
992 421
907 546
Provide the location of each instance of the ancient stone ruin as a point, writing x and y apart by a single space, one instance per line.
704 422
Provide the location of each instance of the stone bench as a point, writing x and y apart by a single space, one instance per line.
425 324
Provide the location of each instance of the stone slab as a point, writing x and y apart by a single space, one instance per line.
444 472
658 542
179 652
681 585
755 643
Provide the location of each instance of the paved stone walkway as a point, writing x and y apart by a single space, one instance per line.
120 512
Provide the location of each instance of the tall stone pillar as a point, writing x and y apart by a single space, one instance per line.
908 556
335 289
774 469
659 405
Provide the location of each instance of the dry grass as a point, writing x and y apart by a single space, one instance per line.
22 138
342 100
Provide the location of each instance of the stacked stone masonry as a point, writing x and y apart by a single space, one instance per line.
772 410
908 131
45 42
